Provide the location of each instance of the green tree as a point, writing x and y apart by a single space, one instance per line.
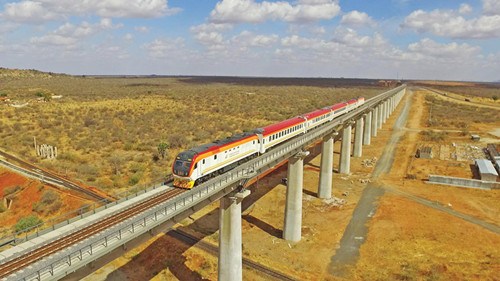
162 149
495 98
27 222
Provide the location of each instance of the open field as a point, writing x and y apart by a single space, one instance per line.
107 129
406 240
24 197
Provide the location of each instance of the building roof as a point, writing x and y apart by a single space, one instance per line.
486 167
426 149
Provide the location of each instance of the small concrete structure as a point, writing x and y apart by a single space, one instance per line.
475 137
292 230
461 182
424 152
486 170
497 165
345 151
230 250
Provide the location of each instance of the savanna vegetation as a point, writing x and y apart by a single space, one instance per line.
451 114
118 132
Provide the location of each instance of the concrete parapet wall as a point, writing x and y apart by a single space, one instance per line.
469 183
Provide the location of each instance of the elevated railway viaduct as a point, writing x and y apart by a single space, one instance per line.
60 250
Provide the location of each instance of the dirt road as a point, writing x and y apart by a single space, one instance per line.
356 231
355 234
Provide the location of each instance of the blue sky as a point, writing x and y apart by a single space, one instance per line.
414 39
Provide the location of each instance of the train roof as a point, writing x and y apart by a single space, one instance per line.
351 101
317 113
339 105
280 126
215 145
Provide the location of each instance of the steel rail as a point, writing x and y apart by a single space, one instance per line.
11 266
210 190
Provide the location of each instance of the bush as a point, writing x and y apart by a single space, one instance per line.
495 98
433 135
27 222
134 179
11 190
50 202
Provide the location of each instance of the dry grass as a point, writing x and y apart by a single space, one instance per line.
420 240
107 129
446 114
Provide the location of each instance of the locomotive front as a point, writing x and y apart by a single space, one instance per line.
182 169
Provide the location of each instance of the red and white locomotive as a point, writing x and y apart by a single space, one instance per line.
198 164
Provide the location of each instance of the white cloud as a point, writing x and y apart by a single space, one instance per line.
247 38
28 11
464 9
433 50
128 37
210 34
142 29
491 7
250 11
35 11
163 48
351 38
356 18
69 34
451 24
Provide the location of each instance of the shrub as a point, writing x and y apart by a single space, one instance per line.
495 98
27 222
134 179
50 202
11 190
433 135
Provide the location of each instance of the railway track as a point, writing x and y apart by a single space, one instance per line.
214 250
35 255
37 172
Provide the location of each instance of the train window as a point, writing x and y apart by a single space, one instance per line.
215 157
203 162
195 166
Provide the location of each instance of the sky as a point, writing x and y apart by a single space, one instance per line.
382 39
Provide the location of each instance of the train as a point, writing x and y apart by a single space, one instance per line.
199 164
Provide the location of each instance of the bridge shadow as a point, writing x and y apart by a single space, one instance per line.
271 230
169 251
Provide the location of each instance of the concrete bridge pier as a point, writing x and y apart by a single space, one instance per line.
230 250
374 122
368 128
326 169
345 150
386 111
380 114
292 230
358 138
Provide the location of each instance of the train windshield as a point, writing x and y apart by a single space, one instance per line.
183 163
